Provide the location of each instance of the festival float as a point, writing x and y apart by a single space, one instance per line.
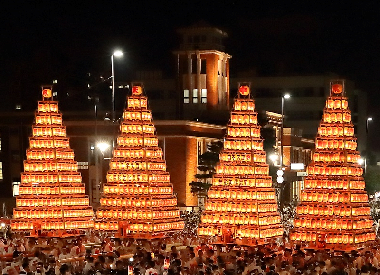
137 199
334 210
241 206
51 200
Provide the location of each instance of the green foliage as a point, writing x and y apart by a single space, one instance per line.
199 188
374 203
207 162
372 179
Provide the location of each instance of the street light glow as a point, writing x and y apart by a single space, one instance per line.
118 53
360 161
273 157
286 96
369 119
102 146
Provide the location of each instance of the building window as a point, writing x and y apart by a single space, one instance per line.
15 154
204 96
203 66
82 165
16 188
194 66
0 144
199 149
158 115
195 95
186 96
1 170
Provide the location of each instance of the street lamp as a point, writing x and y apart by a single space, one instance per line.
367 122
273 158
285 96
362 161
102 146
116 53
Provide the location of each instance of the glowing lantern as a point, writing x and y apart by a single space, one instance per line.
46 93
337 89
244 90
136 90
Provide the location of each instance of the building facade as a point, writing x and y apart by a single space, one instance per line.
189 110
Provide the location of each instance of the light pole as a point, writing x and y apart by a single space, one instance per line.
362 161
285 96
367 122
280 172
274 159
102 147
116 53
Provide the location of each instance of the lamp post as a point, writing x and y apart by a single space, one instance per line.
116 53
274 159
367 122
362 161
285 96
280 172
102 147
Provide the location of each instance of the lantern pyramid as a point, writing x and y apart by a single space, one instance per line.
334 211
138 198
241 202
51 200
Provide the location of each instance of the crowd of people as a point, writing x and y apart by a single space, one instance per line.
97 255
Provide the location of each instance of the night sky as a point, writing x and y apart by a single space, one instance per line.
65 40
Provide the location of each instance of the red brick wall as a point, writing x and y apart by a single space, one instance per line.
192 163
212 81
181 159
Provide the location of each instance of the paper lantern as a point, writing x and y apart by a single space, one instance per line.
337 89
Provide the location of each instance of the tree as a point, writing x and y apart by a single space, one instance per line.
372 176
206 167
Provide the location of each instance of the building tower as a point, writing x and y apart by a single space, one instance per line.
242 204
334 212
52 200
203 71
138 198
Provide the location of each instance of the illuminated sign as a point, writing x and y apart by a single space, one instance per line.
337 89
136 90
244 90
297 166
46 93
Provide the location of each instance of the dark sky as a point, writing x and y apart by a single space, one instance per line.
305 36
45 40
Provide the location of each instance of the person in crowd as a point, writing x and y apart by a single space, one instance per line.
60 257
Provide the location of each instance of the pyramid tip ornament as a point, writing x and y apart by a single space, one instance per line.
47 92
337 88
244 90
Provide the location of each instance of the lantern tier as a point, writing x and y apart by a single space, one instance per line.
241 205
51 200
334 210
138 200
